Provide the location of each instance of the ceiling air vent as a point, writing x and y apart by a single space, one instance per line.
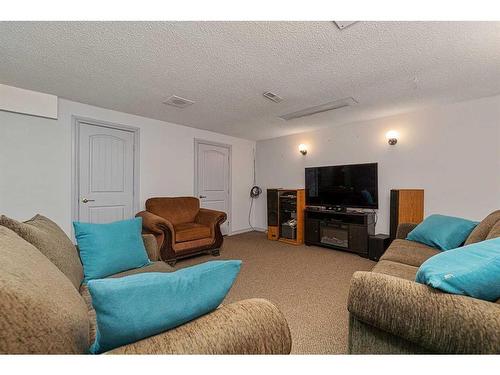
336 104
343 24
272 96
178 102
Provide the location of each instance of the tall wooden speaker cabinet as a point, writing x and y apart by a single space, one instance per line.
407 206
285 215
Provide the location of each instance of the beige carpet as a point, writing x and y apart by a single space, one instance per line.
309 284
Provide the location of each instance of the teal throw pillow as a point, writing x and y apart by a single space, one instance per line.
134 307
472 270
106 249
442 232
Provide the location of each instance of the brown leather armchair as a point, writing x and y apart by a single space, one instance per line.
182 228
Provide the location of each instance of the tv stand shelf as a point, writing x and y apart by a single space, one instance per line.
347 230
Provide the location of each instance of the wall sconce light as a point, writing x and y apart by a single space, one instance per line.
392 137
303 149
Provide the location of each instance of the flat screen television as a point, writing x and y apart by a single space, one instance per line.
354 186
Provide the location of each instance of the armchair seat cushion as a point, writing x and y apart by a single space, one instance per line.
191 231
201 245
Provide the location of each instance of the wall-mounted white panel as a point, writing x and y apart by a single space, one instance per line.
14 99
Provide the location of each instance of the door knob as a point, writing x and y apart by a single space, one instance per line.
85 200
202 196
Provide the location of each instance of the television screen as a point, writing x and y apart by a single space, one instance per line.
353 186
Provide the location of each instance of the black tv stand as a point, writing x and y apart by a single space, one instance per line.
345 230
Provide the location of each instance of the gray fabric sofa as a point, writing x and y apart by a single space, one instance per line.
389 313
44 310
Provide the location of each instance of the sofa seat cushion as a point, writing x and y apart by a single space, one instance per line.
52 242
152 267
190 232
409 252
403 271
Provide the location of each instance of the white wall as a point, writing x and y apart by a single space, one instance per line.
36 165
453 152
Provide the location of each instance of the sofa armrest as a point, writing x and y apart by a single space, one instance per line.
253 326
151 246
404 229
210 218
437 321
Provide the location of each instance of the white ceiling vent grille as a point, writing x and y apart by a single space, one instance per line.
330 106
272 96
178 102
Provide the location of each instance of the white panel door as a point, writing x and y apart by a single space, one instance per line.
213 179
106 174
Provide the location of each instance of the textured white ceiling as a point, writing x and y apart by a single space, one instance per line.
388 67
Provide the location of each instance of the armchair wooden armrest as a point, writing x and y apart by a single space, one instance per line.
211 218
161 228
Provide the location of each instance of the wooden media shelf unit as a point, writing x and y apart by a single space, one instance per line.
285 215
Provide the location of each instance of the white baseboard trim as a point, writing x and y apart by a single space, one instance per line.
246 230
258 229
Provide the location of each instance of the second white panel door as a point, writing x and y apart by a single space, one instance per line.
213 178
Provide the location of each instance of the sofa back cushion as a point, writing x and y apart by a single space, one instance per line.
176 210
494 232
52 242
482 230
40 309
